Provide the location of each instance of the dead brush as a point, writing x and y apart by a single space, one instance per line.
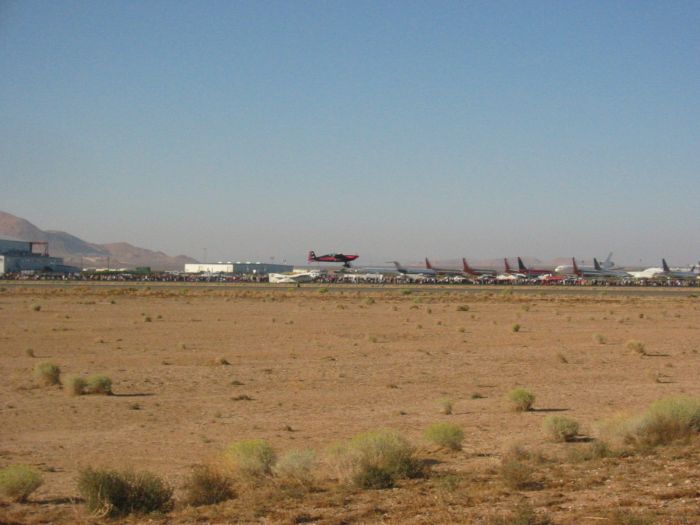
636 346
206 485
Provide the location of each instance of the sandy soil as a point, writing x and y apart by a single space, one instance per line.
321 367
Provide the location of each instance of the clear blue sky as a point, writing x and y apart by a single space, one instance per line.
392 129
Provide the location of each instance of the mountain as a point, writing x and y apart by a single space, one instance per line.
76 251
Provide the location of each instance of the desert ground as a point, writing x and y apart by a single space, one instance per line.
195 369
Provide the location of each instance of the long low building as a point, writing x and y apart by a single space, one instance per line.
244 268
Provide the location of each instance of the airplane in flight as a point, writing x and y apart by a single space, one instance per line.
332 257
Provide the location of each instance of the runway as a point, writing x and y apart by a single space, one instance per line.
602 291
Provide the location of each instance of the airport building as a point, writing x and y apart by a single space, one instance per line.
18 256
243 268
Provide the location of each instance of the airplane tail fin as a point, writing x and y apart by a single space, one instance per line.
312 256
665 265
427 264
505 262
521 266
399 267
577 271
596 264
608 260
465 266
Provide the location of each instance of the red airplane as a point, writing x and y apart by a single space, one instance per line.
332 257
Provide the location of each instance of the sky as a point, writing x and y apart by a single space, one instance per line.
393 129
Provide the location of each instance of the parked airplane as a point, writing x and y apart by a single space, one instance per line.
477 271
608 263
442 271
332 257
678 274
568 269
293 277
413 271
524 270
597 271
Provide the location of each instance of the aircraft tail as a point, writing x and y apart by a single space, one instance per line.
312 256
465 266
665 266
505 262
399 267
596 264
608 262
577 271
521 266
427 264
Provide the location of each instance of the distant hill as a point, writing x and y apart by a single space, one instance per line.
75 250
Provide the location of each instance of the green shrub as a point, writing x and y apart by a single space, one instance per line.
115 493
36 307
205 485
17 482
75 386
664 421
560 428
446 435
296 466
250 459
600 339
99 384
520 399
375 459
48 374
515 327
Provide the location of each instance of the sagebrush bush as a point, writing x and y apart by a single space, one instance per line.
520 399
375 459
560 428
515 474
250 459
75 386
117 493
98 384
18 482
206 485
446 435
297 467
515 327
664 421
637 346
48 374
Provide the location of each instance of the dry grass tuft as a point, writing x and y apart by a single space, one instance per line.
250 459
560 428
520 399
206 485
446 435
18 482
636 346
48 374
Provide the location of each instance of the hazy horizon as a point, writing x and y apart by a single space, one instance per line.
392 130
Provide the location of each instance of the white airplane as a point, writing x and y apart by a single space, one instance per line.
414 271
568 269
665 272
294 277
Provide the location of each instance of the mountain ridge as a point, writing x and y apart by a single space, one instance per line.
78 252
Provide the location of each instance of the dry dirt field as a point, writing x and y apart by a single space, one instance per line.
195 369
